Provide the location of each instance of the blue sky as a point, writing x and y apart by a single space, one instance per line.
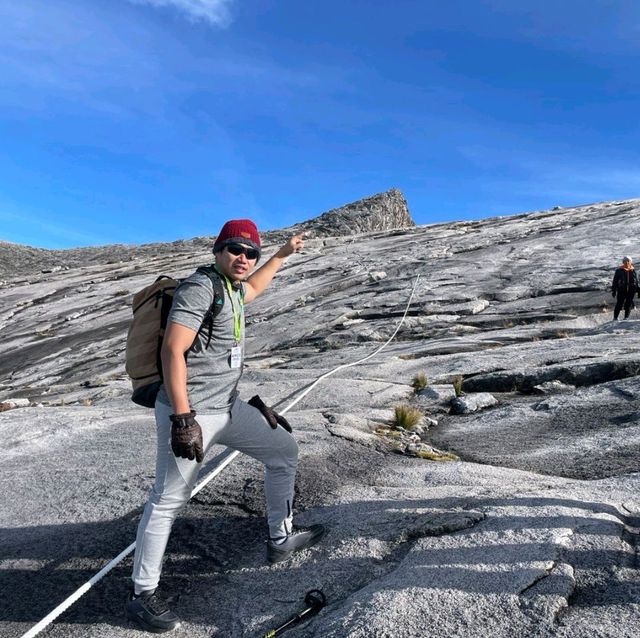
130 121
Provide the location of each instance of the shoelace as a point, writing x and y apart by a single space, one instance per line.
156 604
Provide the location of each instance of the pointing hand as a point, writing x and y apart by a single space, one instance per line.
293 245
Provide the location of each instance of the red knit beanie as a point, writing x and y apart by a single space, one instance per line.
241 231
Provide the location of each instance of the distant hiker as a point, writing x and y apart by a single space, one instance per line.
206 383
624 287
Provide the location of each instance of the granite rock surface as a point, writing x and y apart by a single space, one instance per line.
533 532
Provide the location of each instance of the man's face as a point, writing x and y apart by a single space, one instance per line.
626 262
236 266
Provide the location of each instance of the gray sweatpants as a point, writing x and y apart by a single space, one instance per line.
245 430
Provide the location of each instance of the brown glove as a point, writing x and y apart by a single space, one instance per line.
186 436
270 415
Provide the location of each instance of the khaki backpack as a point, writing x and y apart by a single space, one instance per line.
151 307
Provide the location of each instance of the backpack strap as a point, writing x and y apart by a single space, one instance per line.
218 299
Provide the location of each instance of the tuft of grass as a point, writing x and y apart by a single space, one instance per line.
432 455
419 382
561 334
45 332
406 417
457 385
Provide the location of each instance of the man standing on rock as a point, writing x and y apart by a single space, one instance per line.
207 383
624 287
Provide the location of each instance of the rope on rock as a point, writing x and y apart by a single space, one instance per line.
232 456
83 589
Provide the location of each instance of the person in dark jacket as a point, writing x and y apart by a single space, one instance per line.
624 287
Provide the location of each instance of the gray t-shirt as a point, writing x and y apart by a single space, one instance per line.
211 381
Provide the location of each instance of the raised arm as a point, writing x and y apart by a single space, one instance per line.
262 277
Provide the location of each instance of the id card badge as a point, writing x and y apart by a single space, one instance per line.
236 357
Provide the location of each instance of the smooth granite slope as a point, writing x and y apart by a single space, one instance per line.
532 533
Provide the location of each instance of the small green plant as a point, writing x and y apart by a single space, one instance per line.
457 385
419 382
406 417
432 455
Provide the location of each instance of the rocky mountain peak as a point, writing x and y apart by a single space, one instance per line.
383 211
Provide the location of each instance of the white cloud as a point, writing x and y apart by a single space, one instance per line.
215 12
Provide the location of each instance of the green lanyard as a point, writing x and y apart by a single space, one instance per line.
237 316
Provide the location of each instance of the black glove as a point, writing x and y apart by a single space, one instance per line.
186 436
613 293
269 414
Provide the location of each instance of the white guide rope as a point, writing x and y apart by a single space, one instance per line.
83 589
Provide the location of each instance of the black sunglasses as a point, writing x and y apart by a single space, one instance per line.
238 249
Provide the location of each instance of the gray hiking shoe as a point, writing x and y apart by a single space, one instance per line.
299 539
151 611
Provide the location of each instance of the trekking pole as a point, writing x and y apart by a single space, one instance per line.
315 600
